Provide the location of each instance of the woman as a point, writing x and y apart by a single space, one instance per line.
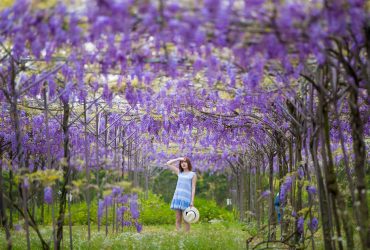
185 189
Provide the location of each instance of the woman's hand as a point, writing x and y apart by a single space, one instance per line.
172 164
191 204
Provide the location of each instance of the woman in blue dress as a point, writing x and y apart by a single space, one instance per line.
185 189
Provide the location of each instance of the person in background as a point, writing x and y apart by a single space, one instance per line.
277 206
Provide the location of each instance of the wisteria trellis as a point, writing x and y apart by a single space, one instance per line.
259 87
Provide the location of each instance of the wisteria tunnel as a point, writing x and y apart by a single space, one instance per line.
102 101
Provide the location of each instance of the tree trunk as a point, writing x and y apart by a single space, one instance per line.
19 146
3 216
123 154
87 168
97 152
66 174
272 214
330 175
299 164
242 192
129 159
360 168
323 200
135 173
247 190
348 227
70 222
11 196
253 191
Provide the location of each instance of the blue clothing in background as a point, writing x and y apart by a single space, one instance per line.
277 206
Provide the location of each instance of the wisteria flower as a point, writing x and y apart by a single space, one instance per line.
100 209
138 226
265 193
26 183
116 191
313 224
300 172
294 213
48 195
285 187
311 190
18 227
108 200
300 225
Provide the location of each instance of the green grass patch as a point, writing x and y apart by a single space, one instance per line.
219 235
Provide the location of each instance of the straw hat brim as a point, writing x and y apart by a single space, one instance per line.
191 215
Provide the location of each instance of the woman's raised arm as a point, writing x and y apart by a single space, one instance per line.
172 166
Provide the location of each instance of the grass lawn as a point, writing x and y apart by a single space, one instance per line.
201 236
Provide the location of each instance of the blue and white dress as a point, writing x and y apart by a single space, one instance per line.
182 196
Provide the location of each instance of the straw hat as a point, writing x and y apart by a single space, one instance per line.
191 215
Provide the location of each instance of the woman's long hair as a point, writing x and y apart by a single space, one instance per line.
188 162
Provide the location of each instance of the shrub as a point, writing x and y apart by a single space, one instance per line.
209 210
155 211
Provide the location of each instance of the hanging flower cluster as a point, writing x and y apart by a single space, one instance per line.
285 188
124 202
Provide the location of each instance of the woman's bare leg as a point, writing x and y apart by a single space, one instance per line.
178 219
187 226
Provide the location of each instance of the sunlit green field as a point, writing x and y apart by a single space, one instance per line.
201 236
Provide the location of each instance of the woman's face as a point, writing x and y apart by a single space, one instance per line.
184 165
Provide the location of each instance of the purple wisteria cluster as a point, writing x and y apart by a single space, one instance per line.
300 172
207 51
313 224
311 190
48 195
300 225
124 203
135 213
100 211
120 213
285 188
265 193
26 183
